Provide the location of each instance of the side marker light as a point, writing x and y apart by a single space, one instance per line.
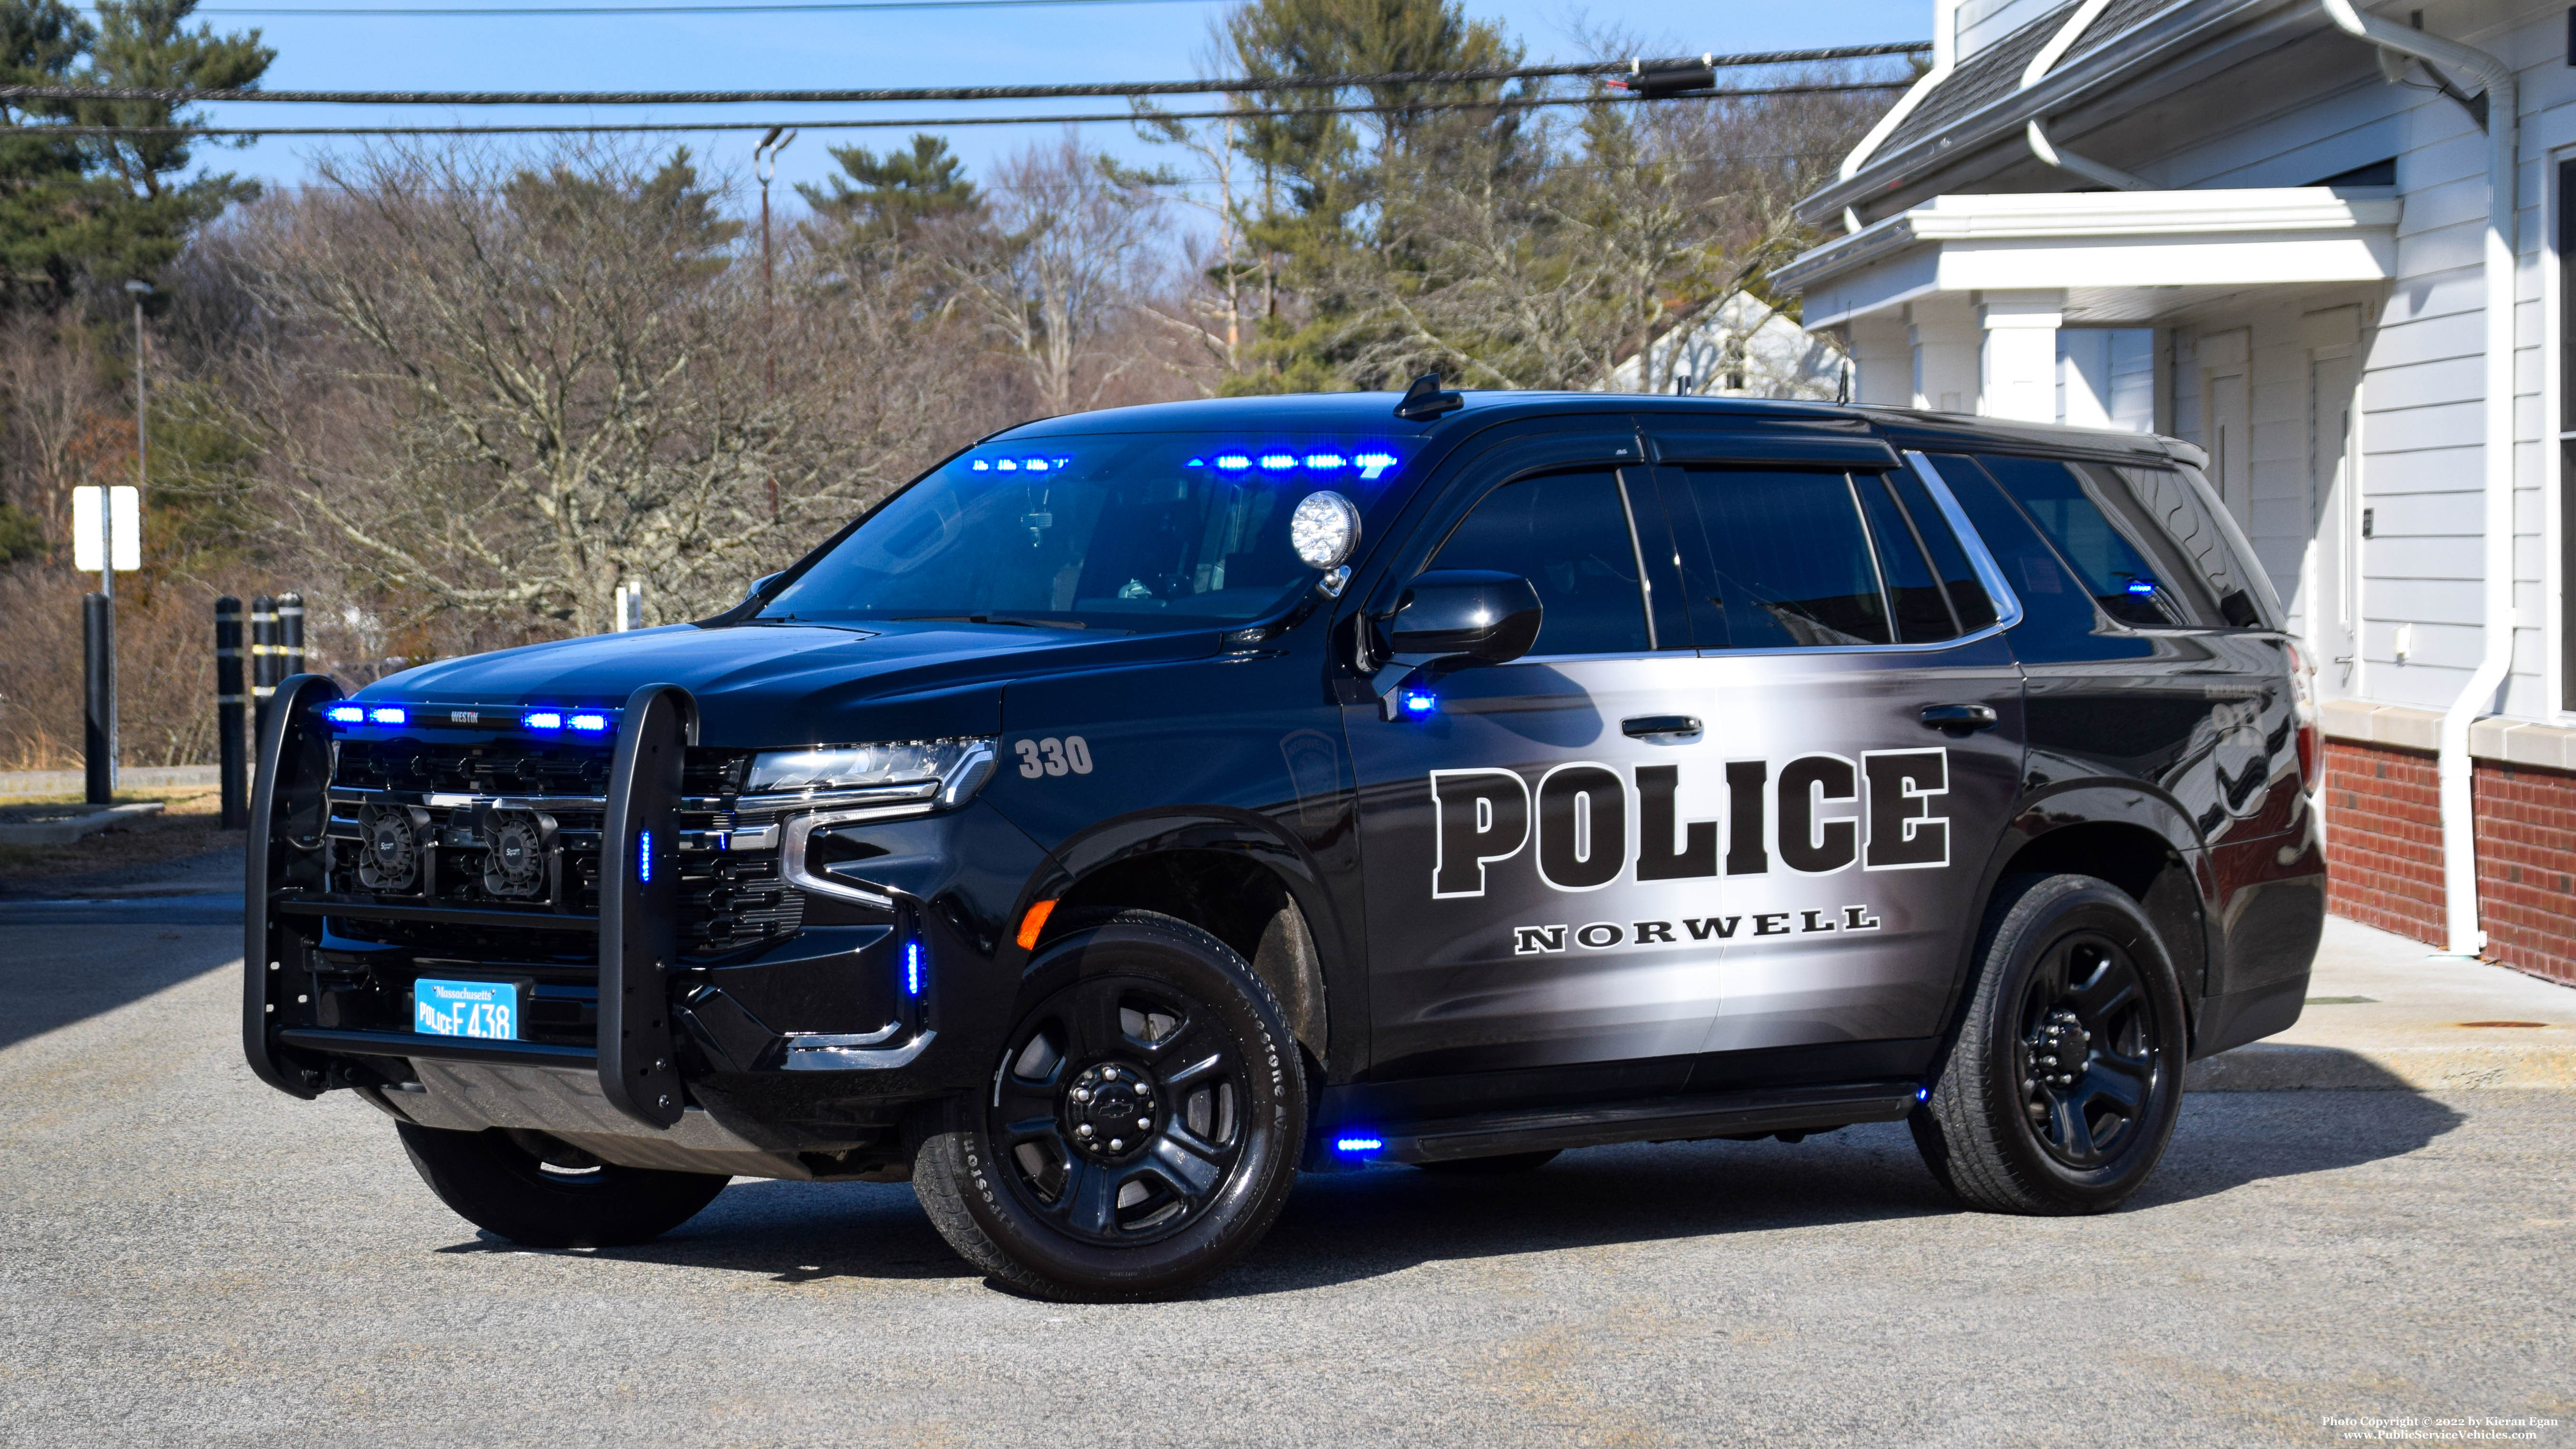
1358 1143
1923 1094
1417 702
644 857
1033 923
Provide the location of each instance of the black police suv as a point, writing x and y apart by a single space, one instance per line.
1145 806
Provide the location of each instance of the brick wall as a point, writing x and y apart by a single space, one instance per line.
2526 822
2384 839
2384 852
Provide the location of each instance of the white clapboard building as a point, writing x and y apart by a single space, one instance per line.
2325 240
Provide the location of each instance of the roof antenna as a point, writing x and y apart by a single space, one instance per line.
1424 400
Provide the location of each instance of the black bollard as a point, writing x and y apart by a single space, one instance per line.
290 636
98 711
231 752
263 662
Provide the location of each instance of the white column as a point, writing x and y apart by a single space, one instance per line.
2020 354
1882 361
1942 333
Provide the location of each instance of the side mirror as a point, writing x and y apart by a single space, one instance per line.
1487 616
759 584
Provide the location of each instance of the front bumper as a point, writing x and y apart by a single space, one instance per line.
878 986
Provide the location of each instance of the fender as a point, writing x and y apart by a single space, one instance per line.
1227 831
293 756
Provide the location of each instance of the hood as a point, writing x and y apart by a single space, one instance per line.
760 685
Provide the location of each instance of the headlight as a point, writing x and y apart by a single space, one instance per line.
950 770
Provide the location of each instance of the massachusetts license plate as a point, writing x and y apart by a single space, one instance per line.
488 1009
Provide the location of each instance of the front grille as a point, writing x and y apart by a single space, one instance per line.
511 825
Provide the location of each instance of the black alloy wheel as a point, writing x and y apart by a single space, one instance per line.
2088 1049
2062 1086
1119 1111
1141 1127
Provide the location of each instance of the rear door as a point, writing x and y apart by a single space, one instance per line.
1863 746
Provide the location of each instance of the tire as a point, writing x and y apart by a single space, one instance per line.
1501 1166
2013 1123
1136 1013
562 1199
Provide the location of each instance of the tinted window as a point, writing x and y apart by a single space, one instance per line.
2058 616
1566 533
1913 593
2171 500
1949 559
1781 561
2113 567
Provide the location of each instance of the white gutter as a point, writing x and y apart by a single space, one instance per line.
2459 835
2041 144
1945 58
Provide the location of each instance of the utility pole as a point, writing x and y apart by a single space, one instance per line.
764 164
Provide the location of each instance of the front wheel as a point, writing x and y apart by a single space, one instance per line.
1141 1128
2063 1086
532 1189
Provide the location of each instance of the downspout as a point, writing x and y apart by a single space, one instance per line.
1945 58
2041 144
2495 659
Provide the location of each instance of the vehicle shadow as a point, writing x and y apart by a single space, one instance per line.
1387 1219
63 965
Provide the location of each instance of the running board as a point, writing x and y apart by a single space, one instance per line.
1664 1119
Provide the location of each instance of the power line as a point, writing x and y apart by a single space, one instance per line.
1232 85
752 9
927 123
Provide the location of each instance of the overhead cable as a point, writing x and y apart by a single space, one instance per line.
931 123
793 6
1230 85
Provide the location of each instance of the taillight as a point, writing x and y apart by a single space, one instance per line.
2311 737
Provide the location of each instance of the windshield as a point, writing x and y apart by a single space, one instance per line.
1119 531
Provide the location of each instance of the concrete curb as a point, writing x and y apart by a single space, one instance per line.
18 784
2283 1067
74 823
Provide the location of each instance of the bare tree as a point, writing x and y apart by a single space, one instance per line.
1068 249
505 389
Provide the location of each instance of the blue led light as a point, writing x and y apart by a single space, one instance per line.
1417 702
1233 462
1195 463
912 968
345 714
387 714
1358 1143
1372 464
1278 462
1923 1094
644 857
1326 462
544 719
2143 587
589 723
983 467
1037 465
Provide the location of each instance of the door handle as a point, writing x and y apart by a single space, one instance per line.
1958 719
1647 726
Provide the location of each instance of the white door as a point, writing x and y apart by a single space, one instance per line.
2333 622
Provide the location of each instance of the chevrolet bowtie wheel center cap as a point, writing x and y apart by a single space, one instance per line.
1111 1109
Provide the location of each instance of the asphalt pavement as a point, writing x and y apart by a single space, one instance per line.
192 1258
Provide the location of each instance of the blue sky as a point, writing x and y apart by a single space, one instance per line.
1141 41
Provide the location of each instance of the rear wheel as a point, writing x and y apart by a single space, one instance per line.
1141 1128
531 1189
2063 1086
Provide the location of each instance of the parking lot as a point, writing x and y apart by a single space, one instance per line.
193 1258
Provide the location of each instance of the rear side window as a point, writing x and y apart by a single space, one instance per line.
1914 594
1779 560
2180 511
1568 534
2115 567
2057 614
1967 592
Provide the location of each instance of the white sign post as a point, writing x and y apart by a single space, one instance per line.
118 535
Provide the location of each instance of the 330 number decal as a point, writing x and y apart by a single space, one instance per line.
1070 755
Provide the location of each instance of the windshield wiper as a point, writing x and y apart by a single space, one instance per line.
991 619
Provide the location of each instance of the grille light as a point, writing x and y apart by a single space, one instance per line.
544 719
345 714
912 968
644 857
589 723
1417 702
391 714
